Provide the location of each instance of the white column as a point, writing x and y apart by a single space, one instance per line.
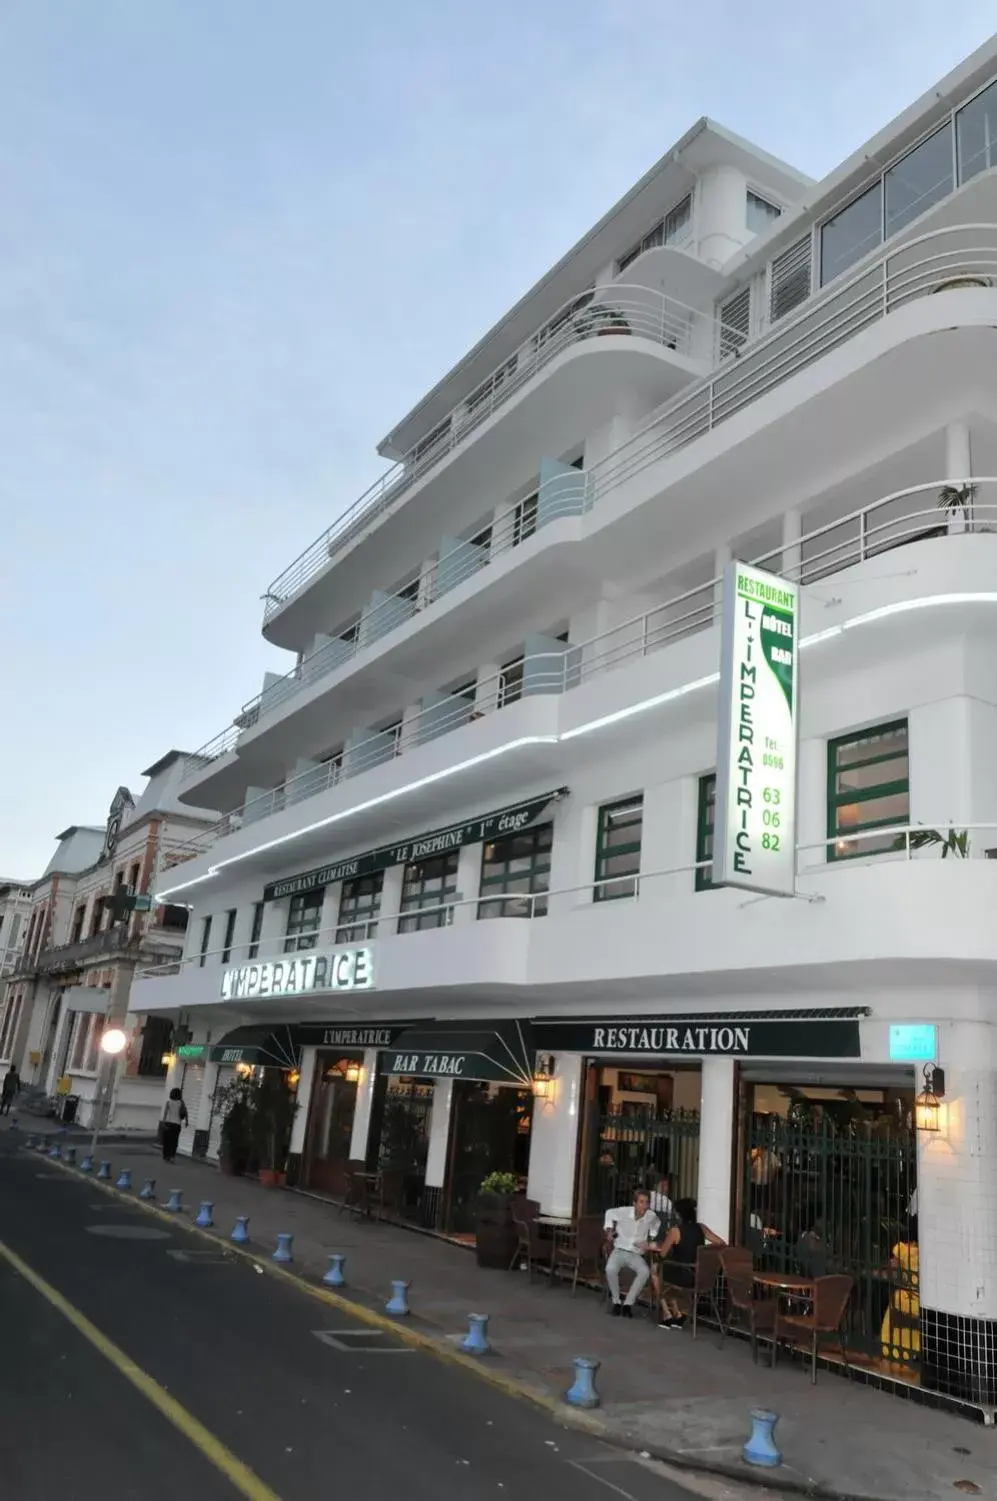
439 1133
721 558
792 552
300 1128
554 1139
391 900
468 882
361 1110
202 1120
958 465
716 1144
811 801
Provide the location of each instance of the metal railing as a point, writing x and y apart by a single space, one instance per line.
910 843
956 255
893 520
618 308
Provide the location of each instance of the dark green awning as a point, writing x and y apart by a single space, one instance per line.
273 1046
488 1052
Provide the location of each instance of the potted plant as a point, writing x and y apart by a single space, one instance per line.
235 1104
495 1232
955 842
957 500
273 1119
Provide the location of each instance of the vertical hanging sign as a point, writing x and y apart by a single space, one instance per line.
754 842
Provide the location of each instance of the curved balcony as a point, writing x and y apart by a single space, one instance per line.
935 509
942 259
617 310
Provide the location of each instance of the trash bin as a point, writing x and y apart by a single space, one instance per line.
70 1105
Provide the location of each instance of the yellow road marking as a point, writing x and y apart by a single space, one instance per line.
240 1475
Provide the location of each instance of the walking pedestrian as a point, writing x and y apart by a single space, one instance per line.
11 1088
174 1118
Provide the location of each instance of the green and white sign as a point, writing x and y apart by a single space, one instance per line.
754 844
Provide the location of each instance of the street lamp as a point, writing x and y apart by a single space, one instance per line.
112 1042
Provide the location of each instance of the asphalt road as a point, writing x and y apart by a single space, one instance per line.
241 1353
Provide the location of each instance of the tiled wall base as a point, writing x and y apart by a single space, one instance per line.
959 1356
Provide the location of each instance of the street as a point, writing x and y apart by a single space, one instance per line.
266 1393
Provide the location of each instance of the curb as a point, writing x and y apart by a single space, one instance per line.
510 1386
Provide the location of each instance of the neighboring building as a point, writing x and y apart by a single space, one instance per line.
90 922
15 909
504 706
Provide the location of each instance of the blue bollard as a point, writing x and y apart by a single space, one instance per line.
29 1142
175 1201
582 1392
124 1179
475 1342
397 1304
334 1276
283 1252
760 1448
104 1172
86 1166
148 1189
69 1155
203 1218
241 1232
55 1152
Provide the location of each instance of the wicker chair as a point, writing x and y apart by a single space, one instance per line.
825 1316
757 1314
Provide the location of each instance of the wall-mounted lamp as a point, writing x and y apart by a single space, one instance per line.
543 1078
294 1078
353 1071
244 1070
927 1105
168 1060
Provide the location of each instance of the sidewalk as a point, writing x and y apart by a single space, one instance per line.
684 1401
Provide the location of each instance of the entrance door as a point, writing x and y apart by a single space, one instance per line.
490 1134
330 1124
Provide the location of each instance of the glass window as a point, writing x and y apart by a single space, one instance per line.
852 233
705 820
677 223
205 939
303 921
230 917
157 1039
789 279
519 866
359 906
427 886
735 322
976 134
760 213
257 929
918 180
524 522
511 682
867 788
617 848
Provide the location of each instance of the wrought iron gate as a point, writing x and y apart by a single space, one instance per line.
824 1196
633 1151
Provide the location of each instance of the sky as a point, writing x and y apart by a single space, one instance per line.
240 239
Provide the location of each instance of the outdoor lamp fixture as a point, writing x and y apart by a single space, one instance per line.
294 1078
927 1105
543 1080
353 1071
244 1070
113 1041
168 1060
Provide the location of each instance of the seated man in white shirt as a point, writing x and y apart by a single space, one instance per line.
629 1232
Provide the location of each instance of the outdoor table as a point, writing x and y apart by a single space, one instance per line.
787 1283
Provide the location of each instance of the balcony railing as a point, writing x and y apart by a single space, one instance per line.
614 309
912 842
68 955
895 520
958 255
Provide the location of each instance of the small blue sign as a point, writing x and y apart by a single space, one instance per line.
913 1042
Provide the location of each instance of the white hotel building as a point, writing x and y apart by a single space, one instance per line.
504 706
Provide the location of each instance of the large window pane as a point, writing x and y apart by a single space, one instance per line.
868 788
426 887
519 867
920 179
303 921
851 234
976 134
617 848
705 821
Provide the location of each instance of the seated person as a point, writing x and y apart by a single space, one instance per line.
661 1203
678 1259
629 1232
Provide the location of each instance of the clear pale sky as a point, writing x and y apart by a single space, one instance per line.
240 239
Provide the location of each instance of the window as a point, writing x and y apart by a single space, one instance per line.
851 233
759 213
157 1037
79 1048
558 324
433 440
518 867
511 682
735 322
789 279
359 906
76 932
205 939
133 876
96 913
524 521
918 180
868 788
976 134
257 929
488 387
428 884
11 1018
617 848
351 633
303 921
409 592
653 238
678 221
482 539
174 918
705 820
230 917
